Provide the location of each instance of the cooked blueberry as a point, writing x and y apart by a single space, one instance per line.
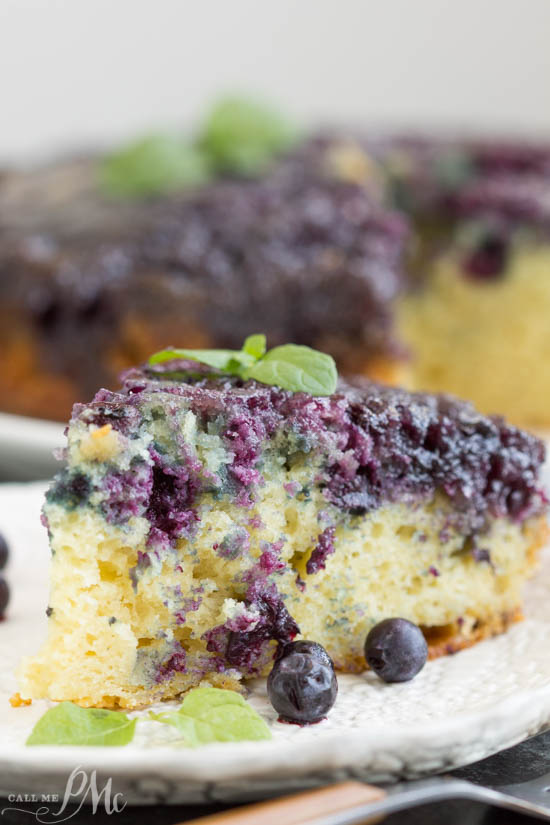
396 650
4 596
489 259
301 688
305 646
4 552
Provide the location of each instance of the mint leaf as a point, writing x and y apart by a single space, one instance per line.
291 367
69 724
242 136
215 715
153 165
296 368
255 345
221 359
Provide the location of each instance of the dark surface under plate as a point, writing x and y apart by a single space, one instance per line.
526 761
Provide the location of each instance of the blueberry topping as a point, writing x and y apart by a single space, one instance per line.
301 688
376 444
396 650
4 596
305 646
4 552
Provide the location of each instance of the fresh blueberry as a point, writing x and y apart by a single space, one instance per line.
4 596
301 688
305 646
4 552
396 650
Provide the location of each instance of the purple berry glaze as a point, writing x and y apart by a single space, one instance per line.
514 199
242 641
118 507
175 663
244 648
170 511
122 417
470 179
291 488
270 558
372 444
323 549
188 605
488 260
449 185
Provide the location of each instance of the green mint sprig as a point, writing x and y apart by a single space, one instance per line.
206 715
154 165
214 715
69 724
242 136
238 136
291 366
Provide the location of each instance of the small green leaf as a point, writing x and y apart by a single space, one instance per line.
221 359
215 715
296 368
291 367
255 345
69 724
153 165
242 136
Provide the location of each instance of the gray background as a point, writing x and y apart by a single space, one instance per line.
94 71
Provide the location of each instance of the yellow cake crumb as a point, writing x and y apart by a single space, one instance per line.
17 701
101 444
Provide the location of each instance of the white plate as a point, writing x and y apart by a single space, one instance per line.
27 445
458 709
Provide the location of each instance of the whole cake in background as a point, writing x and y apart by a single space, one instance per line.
204 519
420 262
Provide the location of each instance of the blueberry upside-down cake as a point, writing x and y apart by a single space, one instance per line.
419 262
204 519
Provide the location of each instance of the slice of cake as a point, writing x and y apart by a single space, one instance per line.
202 519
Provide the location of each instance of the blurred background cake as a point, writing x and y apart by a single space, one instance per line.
415 261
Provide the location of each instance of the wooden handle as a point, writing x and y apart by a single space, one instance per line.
297 809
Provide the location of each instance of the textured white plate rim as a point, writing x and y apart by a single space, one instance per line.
370 750
205 763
